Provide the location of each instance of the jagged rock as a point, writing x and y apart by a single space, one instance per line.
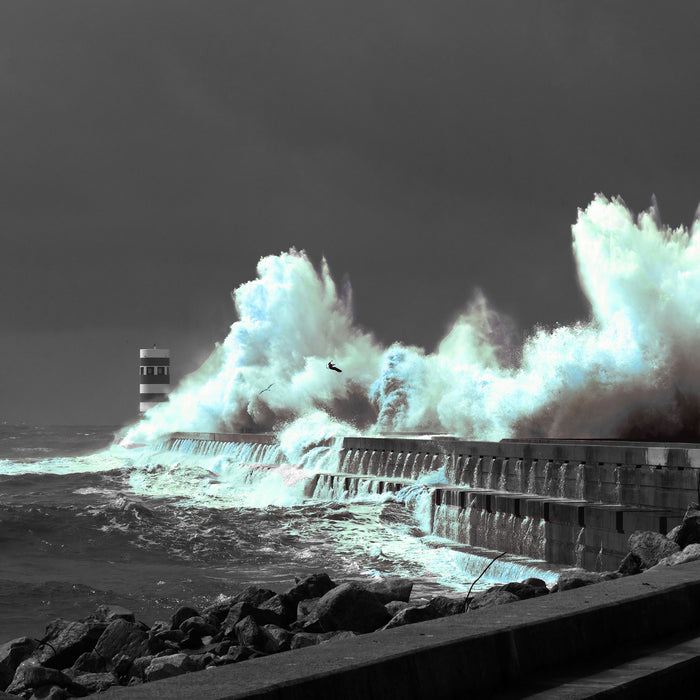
651 547
389 589
283 605
45 692
630 565
195 629
535 582
12 654
491 598
168 666
112 612
567 582
313 586
219 609
326 637
689 553
282 637
306 607
348 607
239 653
122 637
31 674
310 639
445 606
396 605
180 615
240 611
689 530
89 662
65 641
139 666
524 590
250 634
94 682
412 614
253 595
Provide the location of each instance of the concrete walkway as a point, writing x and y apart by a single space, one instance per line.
504 650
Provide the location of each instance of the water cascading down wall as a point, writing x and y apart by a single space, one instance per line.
568 502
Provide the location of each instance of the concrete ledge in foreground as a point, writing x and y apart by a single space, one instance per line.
482 651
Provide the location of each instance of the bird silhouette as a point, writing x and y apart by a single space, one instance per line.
333 367
266 389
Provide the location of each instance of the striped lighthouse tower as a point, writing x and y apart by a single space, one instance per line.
154 377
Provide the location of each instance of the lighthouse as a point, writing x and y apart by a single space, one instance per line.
154 377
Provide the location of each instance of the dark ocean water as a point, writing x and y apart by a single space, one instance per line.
84 522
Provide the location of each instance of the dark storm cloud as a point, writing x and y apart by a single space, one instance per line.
151 152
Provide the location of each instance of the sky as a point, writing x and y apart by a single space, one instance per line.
152 152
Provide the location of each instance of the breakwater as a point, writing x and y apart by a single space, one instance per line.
568 502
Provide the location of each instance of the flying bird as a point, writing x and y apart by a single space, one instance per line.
266 389
333 367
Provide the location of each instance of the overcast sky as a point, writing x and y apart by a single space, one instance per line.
152 152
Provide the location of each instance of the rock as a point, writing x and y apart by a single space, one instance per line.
348 607
567 582
326 637
239 653
304 639
12 654
122 637
198 627
180 615
445 605
282 637
239 611
253 595
491 598
313 586
396 605
250 634
689 530
31 674
535 582
219 609
283 605
524 590
389 589
94 682
630 565
689 553
651 547
89 662
412 614
306 607
45 692
66 641
168 666
139 666
112 612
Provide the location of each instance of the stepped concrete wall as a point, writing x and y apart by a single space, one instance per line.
570 502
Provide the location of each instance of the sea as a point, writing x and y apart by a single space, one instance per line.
85 521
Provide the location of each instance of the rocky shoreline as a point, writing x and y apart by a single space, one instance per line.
111 647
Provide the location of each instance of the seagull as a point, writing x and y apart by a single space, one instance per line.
333 367
264 390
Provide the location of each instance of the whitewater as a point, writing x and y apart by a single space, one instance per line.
112 515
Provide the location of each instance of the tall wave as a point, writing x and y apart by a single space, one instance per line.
629 371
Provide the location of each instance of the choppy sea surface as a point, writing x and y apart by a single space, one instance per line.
84 522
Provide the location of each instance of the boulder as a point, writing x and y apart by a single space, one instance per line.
112 612
689 530
689 553
535 582
253 595
219 609
348 607
304 639
490 599
122 637
45 692
65 641
139 666
630 565
283 605
306 607
282 638
94 682
651 547
31 674
313 586
239 611
180 615
169 666
396 605
12 654
250 634
567 582
445 605
389 589
412 614
89 662
195 628
524 590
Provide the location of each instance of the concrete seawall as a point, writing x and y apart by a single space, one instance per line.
569 502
